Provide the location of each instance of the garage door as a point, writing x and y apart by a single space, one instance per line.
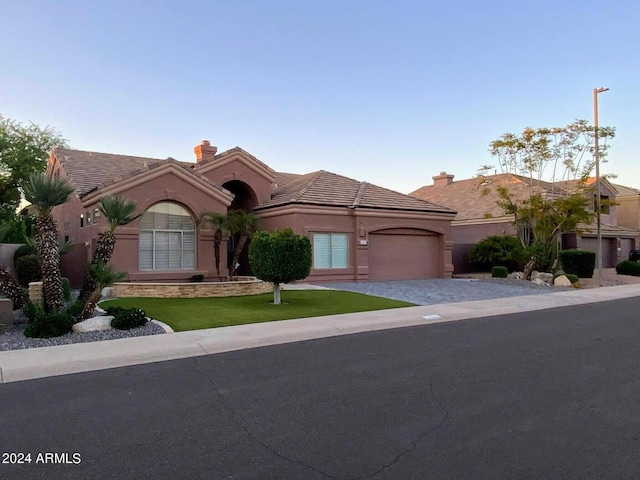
403 257
609 250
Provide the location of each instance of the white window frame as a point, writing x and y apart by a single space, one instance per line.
337 253
155 232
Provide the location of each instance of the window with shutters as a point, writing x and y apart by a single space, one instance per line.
330 250
167 238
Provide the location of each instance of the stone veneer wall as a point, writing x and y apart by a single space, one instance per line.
191 290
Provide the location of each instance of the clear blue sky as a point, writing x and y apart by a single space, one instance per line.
389 92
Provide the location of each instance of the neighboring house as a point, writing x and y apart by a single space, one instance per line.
358 231
479 214
628 207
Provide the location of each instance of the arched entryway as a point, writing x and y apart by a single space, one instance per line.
245 199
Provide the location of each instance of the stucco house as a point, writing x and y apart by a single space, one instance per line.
479 214
358 231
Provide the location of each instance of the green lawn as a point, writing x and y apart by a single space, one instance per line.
196 313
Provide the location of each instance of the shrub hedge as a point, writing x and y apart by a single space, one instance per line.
127 318
46 325
628 267
499 272
579 262
28 270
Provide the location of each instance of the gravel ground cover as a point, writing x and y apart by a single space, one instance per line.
14 339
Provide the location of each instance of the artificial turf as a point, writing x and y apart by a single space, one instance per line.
195 313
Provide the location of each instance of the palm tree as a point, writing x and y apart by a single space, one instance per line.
10 288
243 224
104 276
45 193
118 212
220 224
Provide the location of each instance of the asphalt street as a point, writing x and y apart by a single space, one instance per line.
545 394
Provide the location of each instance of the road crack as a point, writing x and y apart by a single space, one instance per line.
249 433
414 443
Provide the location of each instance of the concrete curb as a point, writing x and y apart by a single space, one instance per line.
34 363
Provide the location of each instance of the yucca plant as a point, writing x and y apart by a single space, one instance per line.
45 193
118 212
105 276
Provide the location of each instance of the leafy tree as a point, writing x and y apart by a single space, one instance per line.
24 150
118 212
45 193
220 224
280 257
243 225
556 154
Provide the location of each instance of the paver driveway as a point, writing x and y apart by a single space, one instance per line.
435 291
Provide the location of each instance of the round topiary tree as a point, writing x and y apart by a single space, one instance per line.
280 257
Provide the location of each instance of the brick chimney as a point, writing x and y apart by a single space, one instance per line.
442 180
205 151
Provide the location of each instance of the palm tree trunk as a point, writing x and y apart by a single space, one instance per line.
90 306
217 241
47 245
10 288
104 250
236 253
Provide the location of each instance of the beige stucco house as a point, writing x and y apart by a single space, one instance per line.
479 215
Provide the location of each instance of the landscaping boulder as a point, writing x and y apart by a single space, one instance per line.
539 281
94 323
546 277
562 281
517 275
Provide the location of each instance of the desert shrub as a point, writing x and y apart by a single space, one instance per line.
66 289
579 262
628 267
127 318
572 278
75 309
543 253
28 270
494 250
46 325
499 272
25 249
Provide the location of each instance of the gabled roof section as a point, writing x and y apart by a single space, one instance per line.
329 189
91 172
626 191
476 198
234 154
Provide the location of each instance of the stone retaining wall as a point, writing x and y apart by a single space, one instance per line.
191 290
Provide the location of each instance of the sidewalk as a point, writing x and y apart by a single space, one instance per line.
19 365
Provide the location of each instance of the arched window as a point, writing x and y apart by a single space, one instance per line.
167 238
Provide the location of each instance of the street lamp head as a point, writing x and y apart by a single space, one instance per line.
601 89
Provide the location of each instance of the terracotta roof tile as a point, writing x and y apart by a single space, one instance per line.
89 171
477 198
326 188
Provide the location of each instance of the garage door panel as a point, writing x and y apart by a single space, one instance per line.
403 257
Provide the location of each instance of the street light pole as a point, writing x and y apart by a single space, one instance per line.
596 154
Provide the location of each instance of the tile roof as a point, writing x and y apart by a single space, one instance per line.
330 189
626 191
477 198
88 171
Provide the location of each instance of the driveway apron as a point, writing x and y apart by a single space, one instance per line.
436 291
